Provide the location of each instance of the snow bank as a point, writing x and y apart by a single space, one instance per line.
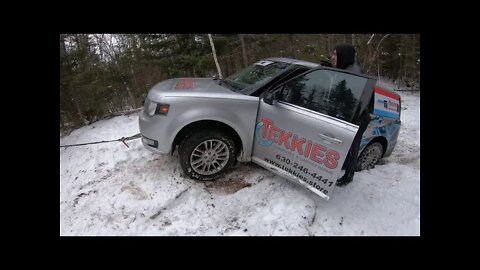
109 189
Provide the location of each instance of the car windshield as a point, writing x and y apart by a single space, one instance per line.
255 75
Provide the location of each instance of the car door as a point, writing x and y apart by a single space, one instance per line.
305 127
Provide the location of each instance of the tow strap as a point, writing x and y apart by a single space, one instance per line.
123 139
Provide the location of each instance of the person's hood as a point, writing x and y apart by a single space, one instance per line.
345 55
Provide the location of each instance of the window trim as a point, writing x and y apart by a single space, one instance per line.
362 101
273 84
296 108
325 68
258 87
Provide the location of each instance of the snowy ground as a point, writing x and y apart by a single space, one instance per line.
109 189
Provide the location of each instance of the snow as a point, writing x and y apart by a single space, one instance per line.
109 189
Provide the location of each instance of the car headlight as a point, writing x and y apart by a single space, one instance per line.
152 106
157 108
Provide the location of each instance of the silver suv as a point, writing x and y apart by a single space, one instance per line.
294 118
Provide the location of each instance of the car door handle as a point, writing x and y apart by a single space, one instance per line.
330 139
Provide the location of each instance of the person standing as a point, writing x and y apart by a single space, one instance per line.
343 57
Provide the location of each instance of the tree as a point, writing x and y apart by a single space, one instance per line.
344 101
244 51
105 73
215 56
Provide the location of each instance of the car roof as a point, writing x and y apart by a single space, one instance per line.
293 61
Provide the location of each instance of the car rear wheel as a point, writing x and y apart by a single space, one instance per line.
370 156
207 155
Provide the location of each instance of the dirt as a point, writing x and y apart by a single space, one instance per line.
228 186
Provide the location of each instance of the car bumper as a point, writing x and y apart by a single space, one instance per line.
154 135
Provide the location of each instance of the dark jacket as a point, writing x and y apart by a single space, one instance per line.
354 68
346 58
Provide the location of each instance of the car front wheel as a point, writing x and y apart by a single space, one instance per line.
207 155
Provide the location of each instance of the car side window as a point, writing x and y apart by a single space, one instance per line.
287 77
325 91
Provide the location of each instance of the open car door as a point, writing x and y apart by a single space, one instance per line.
305 127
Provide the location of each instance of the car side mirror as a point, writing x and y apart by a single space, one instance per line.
272 97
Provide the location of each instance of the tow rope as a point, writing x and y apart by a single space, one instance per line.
123 139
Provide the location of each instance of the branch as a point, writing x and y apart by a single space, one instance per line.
368 42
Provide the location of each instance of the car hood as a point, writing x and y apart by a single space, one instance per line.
191 87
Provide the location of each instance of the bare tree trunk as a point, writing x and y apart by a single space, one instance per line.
378 69
368 61
228 69
63 48
403 47
244 51
132 99
329 44
215 56
413 60
292 45
326 44
400 69
99 38
79 111
353 44
406 61
370 39
375 54
135 82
